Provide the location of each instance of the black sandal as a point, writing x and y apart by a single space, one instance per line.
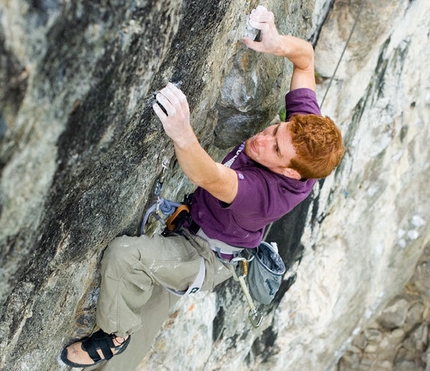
98 340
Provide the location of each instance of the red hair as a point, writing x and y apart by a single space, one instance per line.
318 144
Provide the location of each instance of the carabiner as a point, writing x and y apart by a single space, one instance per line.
255 317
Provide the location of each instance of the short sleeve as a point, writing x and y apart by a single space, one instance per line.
301 101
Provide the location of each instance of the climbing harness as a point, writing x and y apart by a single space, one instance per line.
220 248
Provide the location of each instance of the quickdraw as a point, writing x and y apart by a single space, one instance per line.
254 315
167 207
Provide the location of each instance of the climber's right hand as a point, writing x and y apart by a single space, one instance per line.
263 20
176 117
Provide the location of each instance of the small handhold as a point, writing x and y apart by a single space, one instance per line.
251 32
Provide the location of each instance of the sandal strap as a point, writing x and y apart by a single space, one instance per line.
106 350
92 352
99 340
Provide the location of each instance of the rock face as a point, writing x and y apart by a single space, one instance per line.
398 338
80 151
382 101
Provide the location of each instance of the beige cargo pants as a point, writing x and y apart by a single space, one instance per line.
135 271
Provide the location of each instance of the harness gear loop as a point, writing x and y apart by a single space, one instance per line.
254 315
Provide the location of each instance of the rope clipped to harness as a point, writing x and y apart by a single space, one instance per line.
254 315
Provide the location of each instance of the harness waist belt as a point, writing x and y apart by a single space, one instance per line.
218 246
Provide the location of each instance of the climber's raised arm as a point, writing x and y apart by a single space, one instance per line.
197 165
298 51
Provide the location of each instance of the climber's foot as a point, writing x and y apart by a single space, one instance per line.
94 349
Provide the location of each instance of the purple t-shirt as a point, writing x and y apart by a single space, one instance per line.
263 196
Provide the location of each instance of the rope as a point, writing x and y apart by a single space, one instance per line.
343 52
167 207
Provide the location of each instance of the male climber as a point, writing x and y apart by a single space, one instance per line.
257 184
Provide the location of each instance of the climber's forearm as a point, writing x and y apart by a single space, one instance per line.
203 171
298 51
197 165
301 54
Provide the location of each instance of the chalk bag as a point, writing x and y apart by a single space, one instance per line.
265 273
